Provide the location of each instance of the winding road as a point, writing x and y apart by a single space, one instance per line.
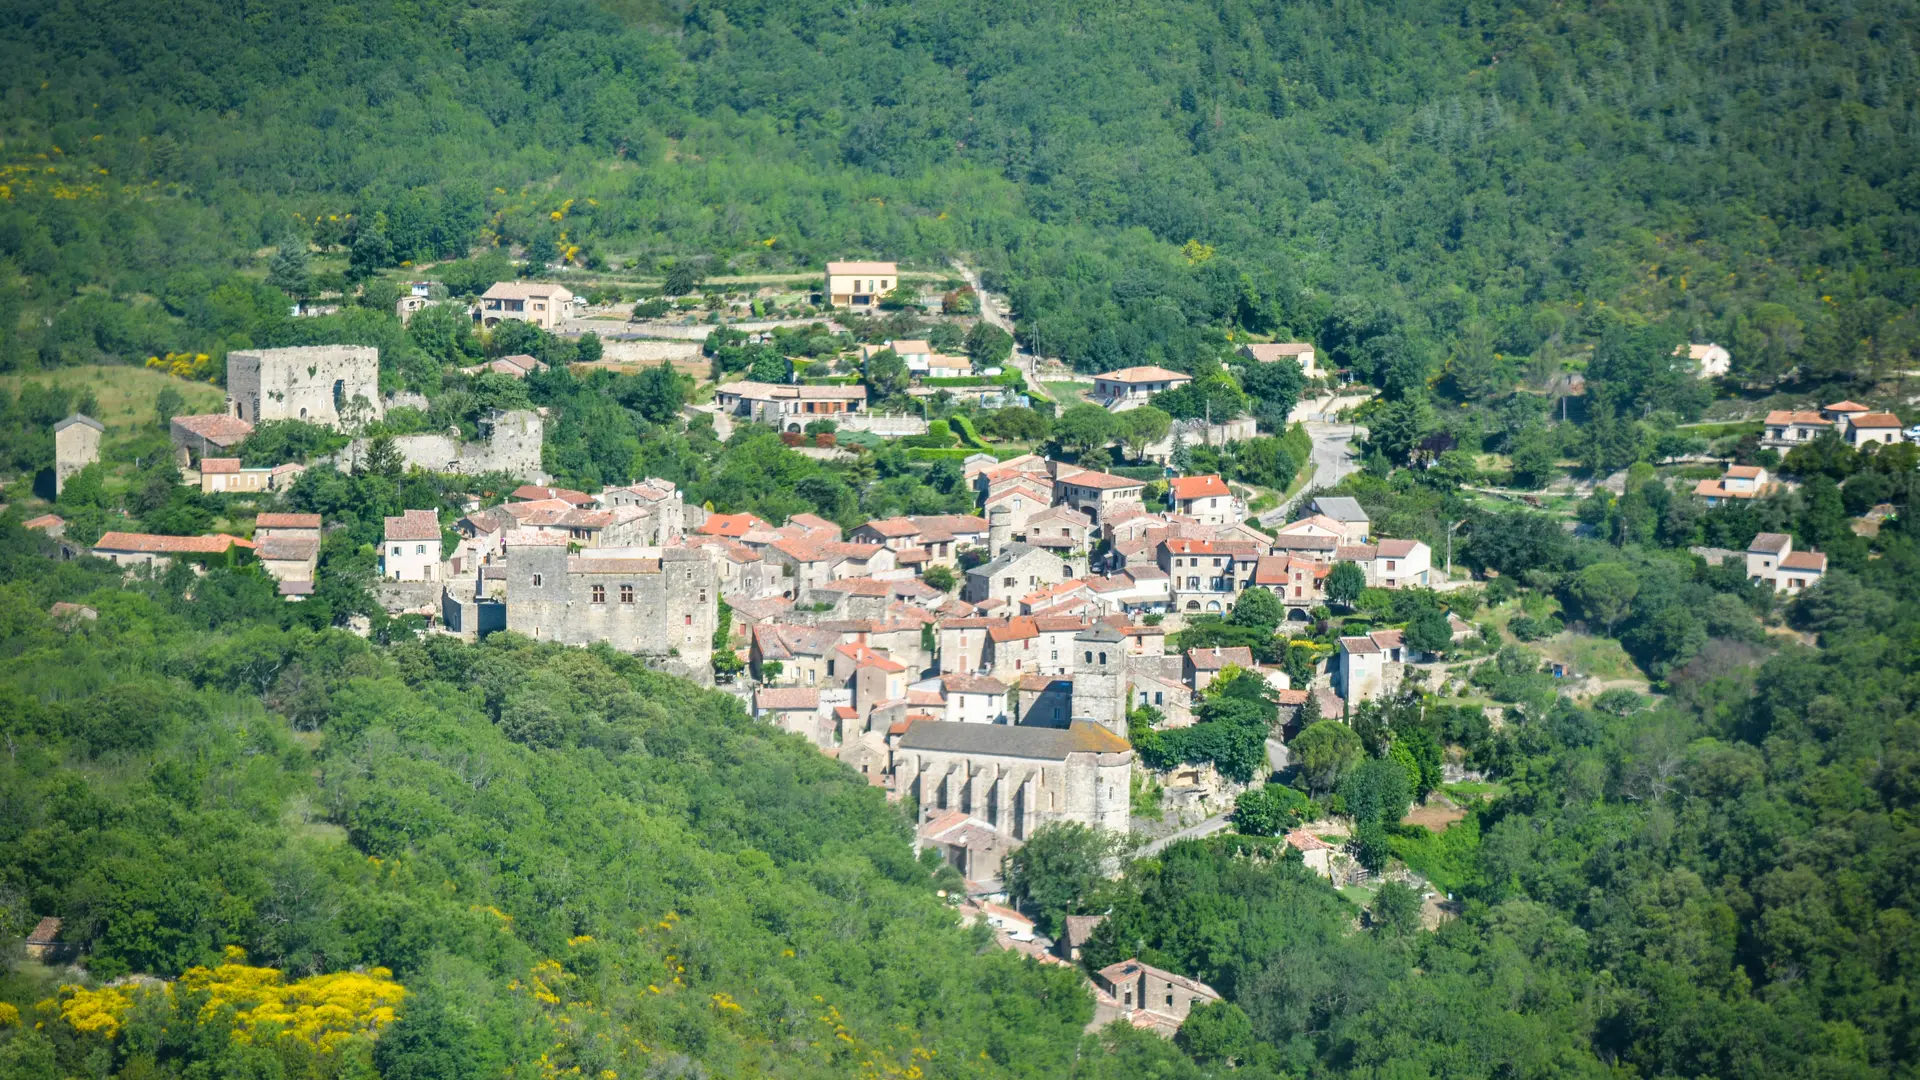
1192 832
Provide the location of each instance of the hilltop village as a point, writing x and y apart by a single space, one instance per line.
1070 639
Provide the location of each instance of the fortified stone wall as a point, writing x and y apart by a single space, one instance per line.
315 383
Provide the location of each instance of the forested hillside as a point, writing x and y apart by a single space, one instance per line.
1417 185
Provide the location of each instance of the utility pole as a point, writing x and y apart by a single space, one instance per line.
1450 530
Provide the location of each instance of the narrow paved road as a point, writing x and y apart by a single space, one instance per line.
1192 832
1334 458
1022 359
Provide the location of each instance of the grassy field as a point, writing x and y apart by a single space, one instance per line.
125 393
1600 658
1068 393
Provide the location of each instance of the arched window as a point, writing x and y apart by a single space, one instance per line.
1089 656
1103 658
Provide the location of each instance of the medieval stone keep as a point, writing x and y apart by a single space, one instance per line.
658 607
320 384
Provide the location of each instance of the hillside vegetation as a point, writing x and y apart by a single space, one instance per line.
1420 185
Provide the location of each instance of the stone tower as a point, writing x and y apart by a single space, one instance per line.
999 530
1099 669
76 445
315 383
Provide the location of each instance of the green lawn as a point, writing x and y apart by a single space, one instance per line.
125 393
1068 393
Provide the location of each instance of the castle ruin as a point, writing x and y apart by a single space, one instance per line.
321 384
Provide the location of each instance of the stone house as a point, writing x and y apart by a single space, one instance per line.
288 558
76 445
804 654
1207 576
1153 998
1129 388
1298 582
47 942
793 708
1712 361
321 384
147 549
663 506
1363 666
656 607
1017 570
969 844
1202 666
1044 700
524 301
1173 699
858 284
410 549
206 433
1098 494
1018 777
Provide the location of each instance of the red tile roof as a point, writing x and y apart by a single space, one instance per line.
1148 374
734 525
414 525
218 465
786 697
1197 487
287 521
148 543
1100 481
217 428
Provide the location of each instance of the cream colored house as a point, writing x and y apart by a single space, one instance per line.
860 284
1298 351
528 301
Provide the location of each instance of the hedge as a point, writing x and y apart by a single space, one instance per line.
1140 472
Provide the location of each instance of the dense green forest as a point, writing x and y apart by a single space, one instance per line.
1427 186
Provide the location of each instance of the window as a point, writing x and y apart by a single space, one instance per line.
1389 564
809 676
536 577
689 619
396 549
1159 697
829 669
599 594
1169 997
1216 562
1089 658
626 594
419 549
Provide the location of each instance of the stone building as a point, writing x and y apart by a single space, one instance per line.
206 434
510 442
654 607
1015 571
76 445
321 384
1152 998
1017 778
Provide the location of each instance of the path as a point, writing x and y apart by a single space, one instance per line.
1192 832
1334 459
1022 360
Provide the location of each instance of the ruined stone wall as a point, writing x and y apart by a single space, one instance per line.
307 382
511 444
